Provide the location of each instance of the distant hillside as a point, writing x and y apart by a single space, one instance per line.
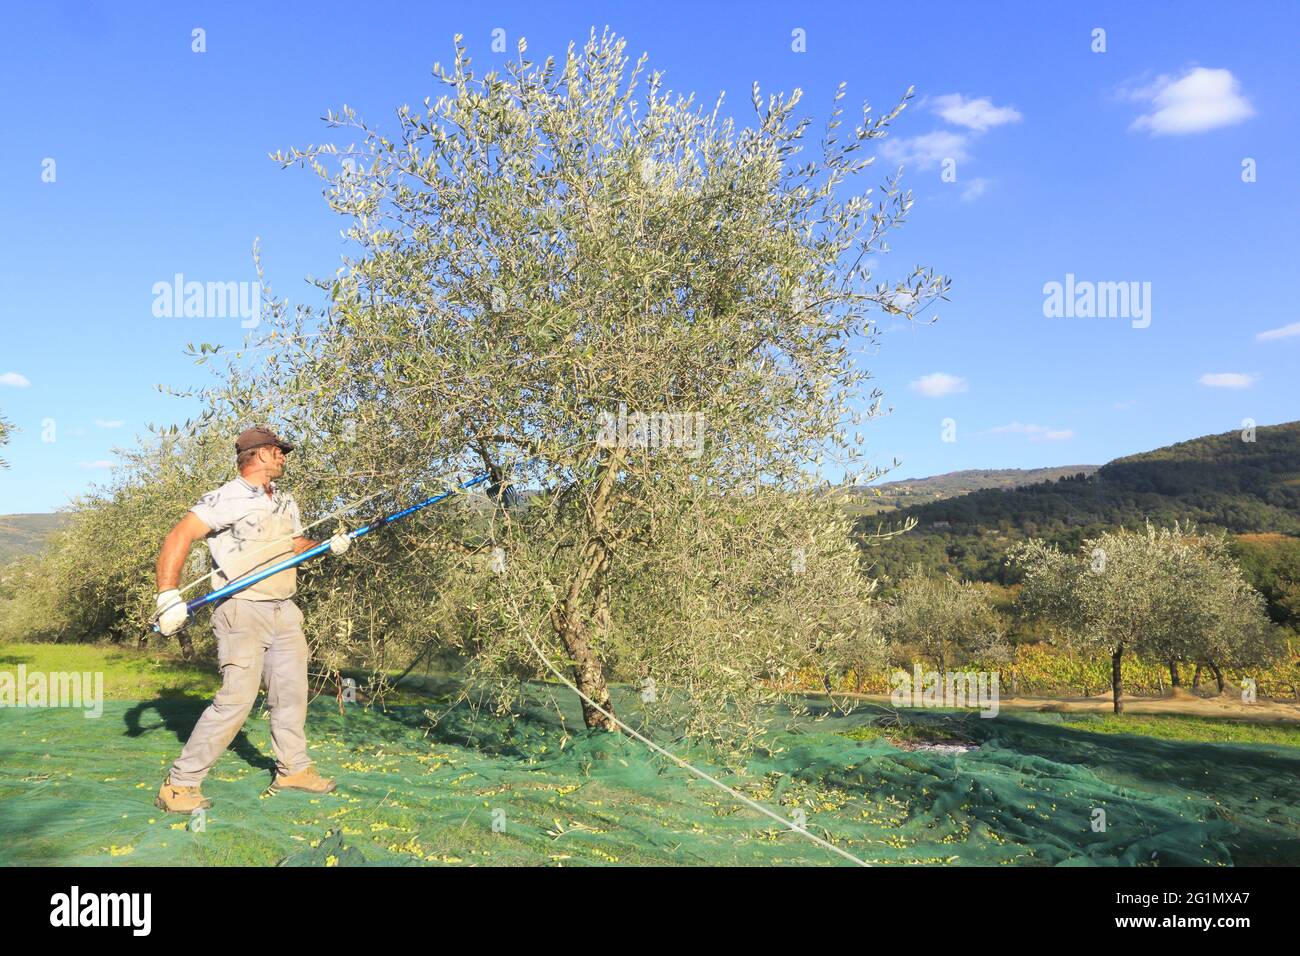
1218 481
918 491
25 534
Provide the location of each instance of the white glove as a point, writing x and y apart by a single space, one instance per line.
172 612
340 543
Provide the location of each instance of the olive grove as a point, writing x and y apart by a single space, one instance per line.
643 319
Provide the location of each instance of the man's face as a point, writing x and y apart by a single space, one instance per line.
273 459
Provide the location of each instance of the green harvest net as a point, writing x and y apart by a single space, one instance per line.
533 790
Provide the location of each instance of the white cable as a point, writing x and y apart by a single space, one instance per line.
753 805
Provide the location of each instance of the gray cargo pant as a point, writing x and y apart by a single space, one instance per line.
256 641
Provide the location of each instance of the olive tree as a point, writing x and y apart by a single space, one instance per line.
1222 620
943 618
640 314
1205 611
1165 594
1103 599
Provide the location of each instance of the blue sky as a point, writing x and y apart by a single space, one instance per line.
1117 166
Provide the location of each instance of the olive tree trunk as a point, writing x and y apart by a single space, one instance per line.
1117 678
571 617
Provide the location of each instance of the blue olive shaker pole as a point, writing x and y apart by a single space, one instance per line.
240 584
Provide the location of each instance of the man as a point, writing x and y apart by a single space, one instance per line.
249 524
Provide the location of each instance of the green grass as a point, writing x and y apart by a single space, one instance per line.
1179 727
921 733
1157 726
128 674
131 674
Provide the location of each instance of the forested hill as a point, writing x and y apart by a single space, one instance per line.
26 534
1219 481
910 493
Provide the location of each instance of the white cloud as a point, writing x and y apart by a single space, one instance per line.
927 150
930 149
14 379
114 423
1285 332
938 384
1228 379
97 464
1199 100
979 114
974 189
1034 432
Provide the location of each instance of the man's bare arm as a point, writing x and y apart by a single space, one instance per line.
301 544
176 549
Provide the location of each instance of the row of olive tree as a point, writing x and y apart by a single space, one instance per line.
94 578
1168 595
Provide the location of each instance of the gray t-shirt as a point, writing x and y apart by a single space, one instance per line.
250 531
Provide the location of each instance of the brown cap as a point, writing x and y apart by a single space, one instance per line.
257 437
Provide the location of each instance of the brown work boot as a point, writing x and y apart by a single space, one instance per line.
175 799
306 779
